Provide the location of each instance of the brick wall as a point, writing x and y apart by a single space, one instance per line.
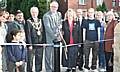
75 4
108 4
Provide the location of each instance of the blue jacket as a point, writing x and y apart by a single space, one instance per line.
16 53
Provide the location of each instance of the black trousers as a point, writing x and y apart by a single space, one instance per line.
109 61
38 53
72 55
87 47
80 60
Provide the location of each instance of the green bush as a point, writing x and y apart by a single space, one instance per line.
25 5
102 7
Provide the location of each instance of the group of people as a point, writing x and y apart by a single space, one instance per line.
93 31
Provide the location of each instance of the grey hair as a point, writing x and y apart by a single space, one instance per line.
111 13
34 8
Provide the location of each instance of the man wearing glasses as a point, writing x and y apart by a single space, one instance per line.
52 23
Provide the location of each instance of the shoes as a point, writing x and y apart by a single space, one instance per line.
102 70
68 70
73 70
95 70
80 68
86 67
93 67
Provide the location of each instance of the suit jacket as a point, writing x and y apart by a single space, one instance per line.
51 26
76 33
81 29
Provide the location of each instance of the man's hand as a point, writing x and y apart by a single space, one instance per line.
30 48
17 64
21 62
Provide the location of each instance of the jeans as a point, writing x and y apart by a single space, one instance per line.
101 55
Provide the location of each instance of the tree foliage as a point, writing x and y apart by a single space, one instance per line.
42 7
3 4
102 7
25 5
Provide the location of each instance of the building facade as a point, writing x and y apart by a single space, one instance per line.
85 4
113 4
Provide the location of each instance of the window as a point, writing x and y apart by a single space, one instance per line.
99 2
64 0
82 2
119 2
113 3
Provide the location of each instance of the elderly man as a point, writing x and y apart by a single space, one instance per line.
34 35
80 20
52 20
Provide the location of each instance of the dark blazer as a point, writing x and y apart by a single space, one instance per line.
31 33
76 33
80 28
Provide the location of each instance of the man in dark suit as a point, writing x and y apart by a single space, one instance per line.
52 22
80 49
35 35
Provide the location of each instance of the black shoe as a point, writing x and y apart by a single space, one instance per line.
80 68
87 67
73 70
93 67
68 70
